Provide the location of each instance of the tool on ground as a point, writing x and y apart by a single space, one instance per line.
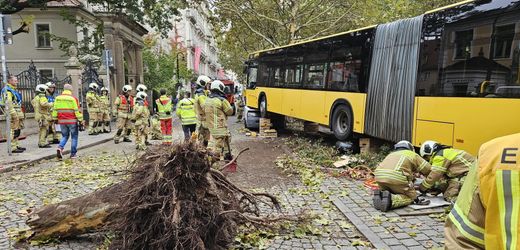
231 166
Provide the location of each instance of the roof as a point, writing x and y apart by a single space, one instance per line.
477 63
360 29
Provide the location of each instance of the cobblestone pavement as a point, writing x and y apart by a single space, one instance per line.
388 230
50 181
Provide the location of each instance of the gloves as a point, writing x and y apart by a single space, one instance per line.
168 113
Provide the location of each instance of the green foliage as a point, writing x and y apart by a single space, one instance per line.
156 13
246 26
371 160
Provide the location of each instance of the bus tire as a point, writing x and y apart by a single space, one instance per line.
342 122
262 106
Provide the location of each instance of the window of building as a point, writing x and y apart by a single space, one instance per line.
463 44
43 39
46 74
503 41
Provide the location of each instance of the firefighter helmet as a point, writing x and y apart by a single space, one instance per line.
41 88
202 81
127 88
217 86
404 144
93 86
428 147
141 95
141 88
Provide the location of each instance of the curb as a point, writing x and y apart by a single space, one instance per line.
47 157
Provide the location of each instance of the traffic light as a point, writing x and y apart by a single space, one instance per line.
8 30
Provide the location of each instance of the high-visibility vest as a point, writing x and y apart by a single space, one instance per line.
66 109
13 97
186 111
164 104
123 106
487 211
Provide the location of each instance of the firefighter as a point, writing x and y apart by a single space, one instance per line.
122 110
10 95
140 116
239 104
164 108
53 137
217 109
395 177
203 133
485 216
186 112
42 114
142 88
449 169
105 113
93 105
156 127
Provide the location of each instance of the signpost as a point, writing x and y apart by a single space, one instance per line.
6 37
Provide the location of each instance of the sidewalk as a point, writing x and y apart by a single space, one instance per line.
34 153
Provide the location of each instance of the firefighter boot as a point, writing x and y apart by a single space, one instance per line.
106 128
386 201
126 138
118 135
377 199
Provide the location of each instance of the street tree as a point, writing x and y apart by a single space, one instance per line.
245 26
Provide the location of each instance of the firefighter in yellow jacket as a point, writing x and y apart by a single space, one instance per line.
186 112
449 169
53 136
203 133
217 109
93 108
104 101
10 94
395 177
122 110
42 114
140 116
486 213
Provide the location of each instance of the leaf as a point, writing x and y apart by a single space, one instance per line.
413 234
299 233
345 225
360 243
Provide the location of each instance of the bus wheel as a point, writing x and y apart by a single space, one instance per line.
263 107
342 122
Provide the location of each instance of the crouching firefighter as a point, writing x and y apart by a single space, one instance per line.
217 109
123 111
395 176
449 169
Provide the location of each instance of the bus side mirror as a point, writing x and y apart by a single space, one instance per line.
252 85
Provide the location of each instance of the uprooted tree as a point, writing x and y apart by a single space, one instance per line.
171 200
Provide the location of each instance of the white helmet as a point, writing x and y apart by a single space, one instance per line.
41 88
217 86
428 147
404 144
141 95
141 88
104 89
127 88
93 86
50 85
203 80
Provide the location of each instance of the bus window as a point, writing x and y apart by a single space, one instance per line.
315 59
251 77
276 77
471 51
293 76
344 71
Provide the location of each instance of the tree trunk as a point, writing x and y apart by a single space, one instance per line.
80 215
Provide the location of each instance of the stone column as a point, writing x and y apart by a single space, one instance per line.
119 63
139 64
73 67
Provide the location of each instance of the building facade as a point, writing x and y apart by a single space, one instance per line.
196 34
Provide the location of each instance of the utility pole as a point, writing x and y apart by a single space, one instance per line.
3 35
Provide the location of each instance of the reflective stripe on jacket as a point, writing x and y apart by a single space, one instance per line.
448 162
164 104
487 211
92 102
66 109
123 106
42 107
200 99
400 166
217 109
186 111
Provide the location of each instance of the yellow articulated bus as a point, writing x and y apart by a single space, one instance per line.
450 75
